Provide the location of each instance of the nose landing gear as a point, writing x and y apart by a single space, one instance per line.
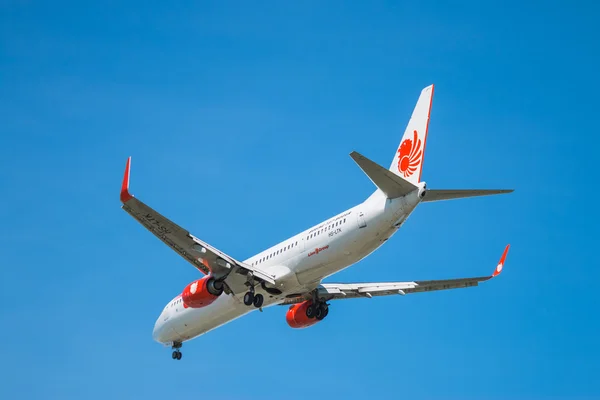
176 353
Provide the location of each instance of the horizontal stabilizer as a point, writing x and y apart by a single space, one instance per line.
449 194
388 182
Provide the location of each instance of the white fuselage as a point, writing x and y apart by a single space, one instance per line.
298 263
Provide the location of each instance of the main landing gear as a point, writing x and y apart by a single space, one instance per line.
176 353
317 310
253 299
250 298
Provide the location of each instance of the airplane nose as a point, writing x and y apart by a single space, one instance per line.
157 331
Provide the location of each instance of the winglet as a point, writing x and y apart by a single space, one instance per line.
501 262
125 195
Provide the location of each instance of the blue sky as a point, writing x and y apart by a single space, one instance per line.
239 119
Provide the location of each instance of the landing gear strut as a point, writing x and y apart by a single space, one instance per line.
176 353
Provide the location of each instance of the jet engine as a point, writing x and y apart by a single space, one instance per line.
296 316
202 292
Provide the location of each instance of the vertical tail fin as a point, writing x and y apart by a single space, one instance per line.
408 160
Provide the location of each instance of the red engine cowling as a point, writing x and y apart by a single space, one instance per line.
296 316
201 293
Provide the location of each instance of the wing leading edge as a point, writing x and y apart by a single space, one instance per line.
206 258
338 291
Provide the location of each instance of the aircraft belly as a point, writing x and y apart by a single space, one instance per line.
196 321
349 250
324 256
193 322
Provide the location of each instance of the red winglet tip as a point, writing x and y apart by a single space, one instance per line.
500 265
125 195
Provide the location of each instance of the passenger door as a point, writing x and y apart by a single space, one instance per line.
361 220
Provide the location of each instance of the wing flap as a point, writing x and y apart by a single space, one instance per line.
390 288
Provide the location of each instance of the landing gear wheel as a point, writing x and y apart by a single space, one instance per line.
311 311
258 300
176 353
249 298
321 312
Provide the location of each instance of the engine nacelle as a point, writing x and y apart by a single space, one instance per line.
202 292
296 316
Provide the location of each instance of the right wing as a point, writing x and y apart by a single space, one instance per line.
338 291
206 258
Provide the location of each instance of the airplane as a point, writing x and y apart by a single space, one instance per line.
291 272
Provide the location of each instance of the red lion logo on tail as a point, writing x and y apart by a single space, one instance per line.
409 156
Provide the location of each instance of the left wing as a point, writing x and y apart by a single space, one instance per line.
200 254
337 291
